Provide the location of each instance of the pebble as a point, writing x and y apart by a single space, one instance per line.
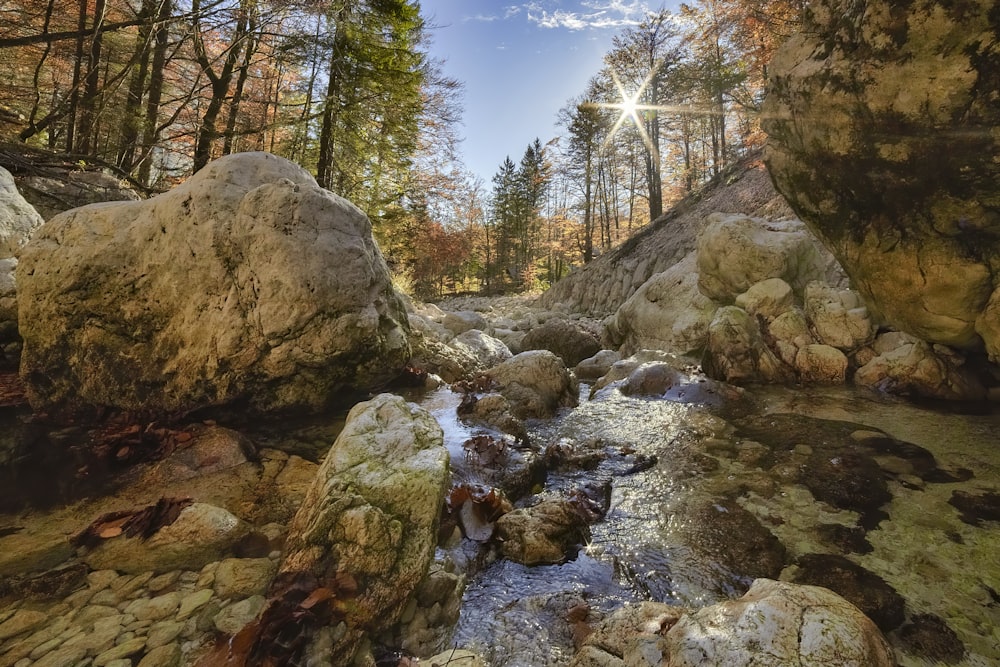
232 619
163 582
163 633
93 612
243 577
168 655
154 609
192 602
61 657
120 651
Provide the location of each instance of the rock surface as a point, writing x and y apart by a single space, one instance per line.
372 513
247 283
881 119
777 624
536 383
546 533
18 221
567 339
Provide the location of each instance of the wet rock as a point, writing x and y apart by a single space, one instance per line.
536 383
790 333
975 508
22 621
450 362
919 369
162 656
495 411
373 513
233 618
733 537
846 479
651 379
549 532
737 251
930 638
286 302
777 624
866 590
629 633
569 340
896 172
847 539
596 366
737 353
456 657
668 312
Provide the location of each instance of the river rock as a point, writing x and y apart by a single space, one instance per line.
668 312
201 534
919 369
536 383
373 513
736 351
790 333
596 366
629 633
546 533
737 251
838 317
458 322
822 364
485 349
248 283
243 577
768 298
568 339
881 120
777 624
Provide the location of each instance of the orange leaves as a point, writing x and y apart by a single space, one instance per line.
142 522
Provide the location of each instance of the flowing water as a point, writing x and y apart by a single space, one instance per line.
668 461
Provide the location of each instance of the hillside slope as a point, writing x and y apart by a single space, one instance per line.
599 288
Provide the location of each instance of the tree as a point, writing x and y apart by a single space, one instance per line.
587 126
641 59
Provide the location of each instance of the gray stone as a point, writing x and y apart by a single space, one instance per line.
464 320
163 633
154 609
536 383
596 366
192 602
286 299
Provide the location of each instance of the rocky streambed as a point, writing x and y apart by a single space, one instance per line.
681 492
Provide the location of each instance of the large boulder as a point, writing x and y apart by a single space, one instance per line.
668 313
776 624
372 515
882 120
60 190
18 221
737 251
536 383
570 340
737 352
248 283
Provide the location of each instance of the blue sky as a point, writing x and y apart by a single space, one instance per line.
521 62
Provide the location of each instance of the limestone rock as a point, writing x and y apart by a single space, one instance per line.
821 363
881 120
777 624
594 367
768 298
667 313
790 333
736 251
247 283
464 320
838 317
567 339
201 534
18 218
919 369
536 383
627 632
737 353
59 192
373 513
485 349
243 577
545 533
864 589
451 362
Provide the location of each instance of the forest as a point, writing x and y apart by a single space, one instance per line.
151 90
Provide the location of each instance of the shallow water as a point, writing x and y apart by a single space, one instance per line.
649 545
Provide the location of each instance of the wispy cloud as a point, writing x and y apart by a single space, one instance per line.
482 18
590 14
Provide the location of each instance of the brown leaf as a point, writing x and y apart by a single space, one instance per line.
317 596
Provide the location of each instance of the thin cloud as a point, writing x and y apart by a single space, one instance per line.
591 14
482 18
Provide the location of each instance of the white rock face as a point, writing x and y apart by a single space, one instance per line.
736 351
736 251
821 363
667 313
777 624
247 283
768 298
920 369
487 350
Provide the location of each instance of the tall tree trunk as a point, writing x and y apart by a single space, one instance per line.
241 79
331 107
87 132
136 87
74 94
151 132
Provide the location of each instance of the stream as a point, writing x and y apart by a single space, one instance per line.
651 545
